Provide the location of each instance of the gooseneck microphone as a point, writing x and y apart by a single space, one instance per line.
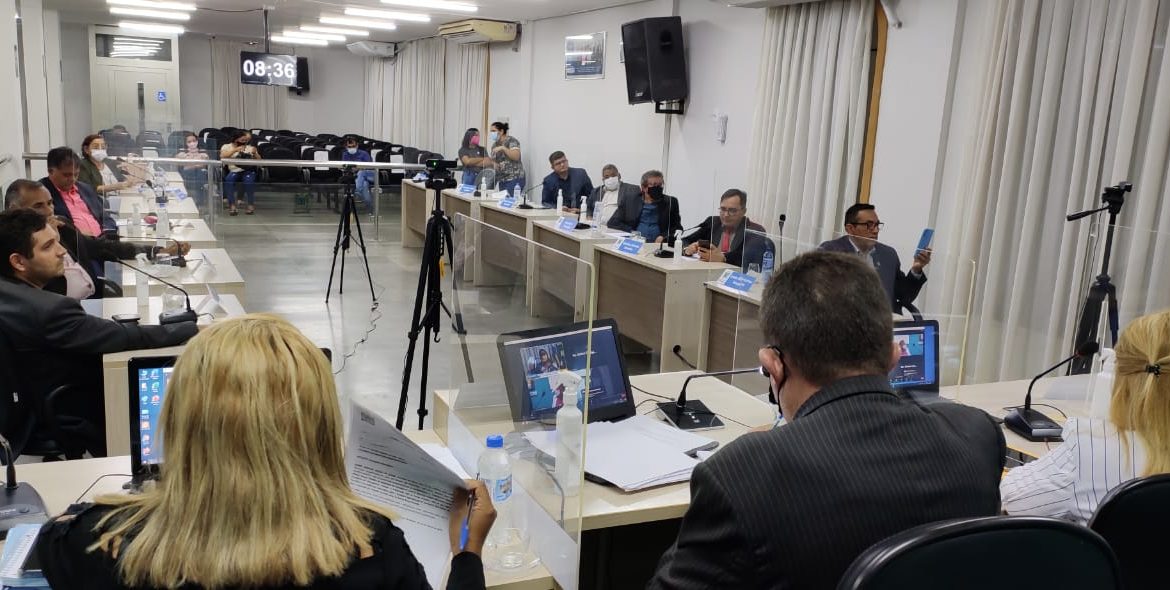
1032 424
173 316
667 235
694 414
20 504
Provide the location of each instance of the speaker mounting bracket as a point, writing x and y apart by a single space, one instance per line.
669 107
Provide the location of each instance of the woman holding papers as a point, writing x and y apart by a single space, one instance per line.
253 491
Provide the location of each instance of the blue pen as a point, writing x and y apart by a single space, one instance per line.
463 532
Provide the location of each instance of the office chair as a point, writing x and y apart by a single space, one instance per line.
1131 518
1001 552
31 423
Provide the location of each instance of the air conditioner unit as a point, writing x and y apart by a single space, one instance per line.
762 3
373 49
478 31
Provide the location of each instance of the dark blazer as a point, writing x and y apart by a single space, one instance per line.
96 204
712 230
90 252
901 287
630 210
625 191
54 342
792 507
579 186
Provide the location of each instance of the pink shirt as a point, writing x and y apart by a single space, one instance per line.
83 219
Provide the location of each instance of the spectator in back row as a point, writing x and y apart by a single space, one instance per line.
77 201
194 174
239 147
96 170
572 183
363 179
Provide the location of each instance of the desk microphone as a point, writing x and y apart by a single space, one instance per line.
662 252
1032 424
524 204
173 316
694 414
677 350
780 225
21 504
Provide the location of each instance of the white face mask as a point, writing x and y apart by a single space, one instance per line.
98 155
612 183
351 151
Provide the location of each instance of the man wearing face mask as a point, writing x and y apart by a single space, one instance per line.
793 506
651 213
603 202
364 178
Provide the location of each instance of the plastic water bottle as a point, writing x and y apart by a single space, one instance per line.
568 464
769 265
506 546
1101 392
516 194
560 200
141 286
482 188
162 229
134 228
678 247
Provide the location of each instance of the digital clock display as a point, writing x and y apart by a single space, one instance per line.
268 68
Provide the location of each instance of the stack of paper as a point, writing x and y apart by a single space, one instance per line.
662 457
18 545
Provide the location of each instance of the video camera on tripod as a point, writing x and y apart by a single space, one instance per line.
441 175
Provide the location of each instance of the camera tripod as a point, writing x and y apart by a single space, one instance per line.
1102 292
343 240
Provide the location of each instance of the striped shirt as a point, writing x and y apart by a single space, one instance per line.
1072 479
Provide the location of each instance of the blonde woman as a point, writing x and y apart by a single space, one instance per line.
253 491
1098 455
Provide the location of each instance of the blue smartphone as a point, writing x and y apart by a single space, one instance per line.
924 241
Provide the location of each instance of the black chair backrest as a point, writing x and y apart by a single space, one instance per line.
1131 518
16 415
285 132
1001 552
282 173
410 155
119 143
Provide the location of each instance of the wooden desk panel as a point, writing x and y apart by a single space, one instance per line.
554 274
501 250
417 203
632 294
733 339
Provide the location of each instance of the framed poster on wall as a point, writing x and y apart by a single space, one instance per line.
585 56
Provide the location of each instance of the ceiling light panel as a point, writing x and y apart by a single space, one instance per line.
353 22
335 31
413 17
322 36
435 5
153 5
163 14
150 27
298 41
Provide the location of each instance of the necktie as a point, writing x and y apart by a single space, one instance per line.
725 242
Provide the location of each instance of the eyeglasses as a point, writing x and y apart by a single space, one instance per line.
730 210
870 225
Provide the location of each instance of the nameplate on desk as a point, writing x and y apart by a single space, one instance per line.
567 224
508 203
629 245
737 281
466 188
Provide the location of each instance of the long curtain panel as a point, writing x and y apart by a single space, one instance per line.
810 113
242 105
417 101
470 92
374 90
1072 96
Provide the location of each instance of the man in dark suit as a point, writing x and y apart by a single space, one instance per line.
573 183
74 200
730 236
603 202
856 462
87 252
861 228
651 213
53 341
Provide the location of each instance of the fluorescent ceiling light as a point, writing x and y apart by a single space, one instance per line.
568 53
150 27
353 22
138 40
335 31
155 5
435 4
150 13
304 35
581 37
389 14
132 45
298 41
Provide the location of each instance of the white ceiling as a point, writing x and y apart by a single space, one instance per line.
292 13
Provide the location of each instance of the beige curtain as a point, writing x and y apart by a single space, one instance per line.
470 88
417 98
242 105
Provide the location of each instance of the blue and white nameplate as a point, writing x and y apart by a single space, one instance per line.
567 223
508 203
630 245
737 281
466 188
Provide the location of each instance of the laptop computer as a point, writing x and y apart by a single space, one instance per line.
917 371
540 364
148 377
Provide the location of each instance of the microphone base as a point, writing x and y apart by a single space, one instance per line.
524 206
21 505
177 316
1032 425
693 416
664 254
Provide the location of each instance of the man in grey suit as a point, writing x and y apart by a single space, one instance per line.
856 462
53 341
861 228
603 201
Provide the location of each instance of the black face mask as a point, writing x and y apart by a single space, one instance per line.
241 143
655 192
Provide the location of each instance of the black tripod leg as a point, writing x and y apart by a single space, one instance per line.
341 228
426 362
345 213
361 241
1088 327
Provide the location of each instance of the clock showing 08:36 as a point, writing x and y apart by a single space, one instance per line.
268 68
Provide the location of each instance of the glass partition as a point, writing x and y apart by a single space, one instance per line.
526 342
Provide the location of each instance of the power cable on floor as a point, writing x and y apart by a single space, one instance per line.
375 315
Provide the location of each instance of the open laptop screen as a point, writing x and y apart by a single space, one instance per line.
917 345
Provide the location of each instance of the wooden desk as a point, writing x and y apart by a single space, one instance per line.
731 335
176 208
193 231
606 506
560 284
221 274
502 259
115 383
417 204
657 302
456 204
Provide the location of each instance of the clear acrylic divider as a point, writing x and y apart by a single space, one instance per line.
526 311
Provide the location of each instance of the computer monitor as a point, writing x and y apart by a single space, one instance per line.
148 377
540 364
917 343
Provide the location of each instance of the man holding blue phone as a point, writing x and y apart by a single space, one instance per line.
862 227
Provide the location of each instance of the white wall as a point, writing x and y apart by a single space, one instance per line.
195 82
335 99
75 82
11 125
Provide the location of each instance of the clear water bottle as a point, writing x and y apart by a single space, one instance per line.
560 200
507 543
568 460
162 228
134 227
769 264
516 194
